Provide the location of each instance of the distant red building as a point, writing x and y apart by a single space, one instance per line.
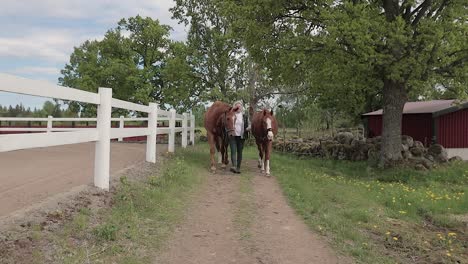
438 121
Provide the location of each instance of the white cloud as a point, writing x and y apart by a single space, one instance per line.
28 70
55 43
101 11
43 45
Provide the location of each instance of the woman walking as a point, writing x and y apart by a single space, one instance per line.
241 133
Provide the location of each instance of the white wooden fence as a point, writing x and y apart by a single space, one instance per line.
102 134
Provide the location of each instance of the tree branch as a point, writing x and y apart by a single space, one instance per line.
424 7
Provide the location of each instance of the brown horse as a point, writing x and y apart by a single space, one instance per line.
264 128
219 124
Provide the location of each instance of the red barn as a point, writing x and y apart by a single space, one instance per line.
438 121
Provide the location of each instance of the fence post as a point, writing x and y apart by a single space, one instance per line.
49 124
192 129
151 138
172 123
102 152
184 130
121 125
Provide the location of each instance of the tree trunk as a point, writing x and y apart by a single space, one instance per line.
394 99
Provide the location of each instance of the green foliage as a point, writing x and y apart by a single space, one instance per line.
49 108
138 61
215 54
106 232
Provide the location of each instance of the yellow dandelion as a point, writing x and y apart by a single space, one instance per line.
395 238
388 233
448 254
452 234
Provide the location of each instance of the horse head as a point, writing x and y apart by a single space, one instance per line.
267 125
229 120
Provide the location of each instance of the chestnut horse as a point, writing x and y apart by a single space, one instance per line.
219 124
264 128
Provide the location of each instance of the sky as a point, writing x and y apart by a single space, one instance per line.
38 36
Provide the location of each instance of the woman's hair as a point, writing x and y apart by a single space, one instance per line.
238 102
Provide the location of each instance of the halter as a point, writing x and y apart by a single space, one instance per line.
226 130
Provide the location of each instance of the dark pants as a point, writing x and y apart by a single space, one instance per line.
237 145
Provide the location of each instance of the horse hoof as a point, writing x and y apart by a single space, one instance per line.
268 175
262 171
223 166
213 169
259 166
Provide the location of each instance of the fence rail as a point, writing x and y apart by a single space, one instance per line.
101 134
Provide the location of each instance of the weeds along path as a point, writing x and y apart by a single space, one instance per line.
243 219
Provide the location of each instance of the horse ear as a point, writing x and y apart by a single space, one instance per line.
265 112
235 109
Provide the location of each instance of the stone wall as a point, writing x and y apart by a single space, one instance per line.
348 146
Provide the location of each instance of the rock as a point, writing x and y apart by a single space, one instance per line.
430 157
407 141
418 144
435 149
423 161
406 154
344 137
418 151
442 157
297 140
438 152
404 148
456 159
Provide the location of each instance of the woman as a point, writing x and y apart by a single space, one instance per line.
241 133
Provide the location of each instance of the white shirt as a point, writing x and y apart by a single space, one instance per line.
239 125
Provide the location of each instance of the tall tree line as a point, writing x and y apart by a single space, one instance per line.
48 109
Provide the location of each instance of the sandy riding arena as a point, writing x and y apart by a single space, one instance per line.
30 176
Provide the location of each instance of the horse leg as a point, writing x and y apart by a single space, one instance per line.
222 157
226 155
268 147
260 156
219 148
211 141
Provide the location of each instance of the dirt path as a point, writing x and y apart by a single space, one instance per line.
244 219
30 176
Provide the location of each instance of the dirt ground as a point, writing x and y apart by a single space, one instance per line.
268 232
31 176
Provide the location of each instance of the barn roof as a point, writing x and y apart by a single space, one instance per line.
435 107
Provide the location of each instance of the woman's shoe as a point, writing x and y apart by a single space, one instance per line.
233 170
238 171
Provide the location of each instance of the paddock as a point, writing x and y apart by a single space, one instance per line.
32 175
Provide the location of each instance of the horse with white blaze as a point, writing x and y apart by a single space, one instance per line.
264 129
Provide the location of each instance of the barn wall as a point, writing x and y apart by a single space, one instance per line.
453 129
418 126
374 126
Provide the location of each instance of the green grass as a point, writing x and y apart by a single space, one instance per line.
375 216
141 217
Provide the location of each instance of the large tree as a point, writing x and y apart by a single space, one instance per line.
137 60
216 55
394 48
